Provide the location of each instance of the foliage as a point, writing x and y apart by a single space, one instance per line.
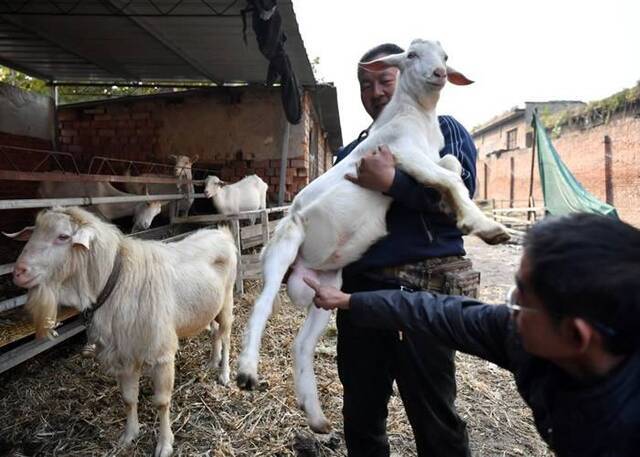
315 67
74 94
15 78
595 111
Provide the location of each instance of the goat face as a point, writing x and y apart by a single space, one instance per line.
423 68
212 185
51 252
183 166
144 215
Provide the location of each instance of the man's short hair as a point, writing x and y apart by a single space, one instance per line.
384 49
588 265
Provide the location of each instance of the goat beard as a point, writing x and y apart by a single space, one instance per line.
43 307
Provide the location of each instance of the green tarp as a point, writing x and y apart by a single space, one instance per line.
562 192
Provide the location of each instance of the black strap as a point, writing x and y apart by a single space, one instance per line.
106 291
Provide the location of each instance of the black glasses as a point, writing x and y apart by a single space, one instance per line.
512 303
514 307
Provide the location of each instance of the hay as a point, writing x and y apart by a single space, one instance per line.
59 404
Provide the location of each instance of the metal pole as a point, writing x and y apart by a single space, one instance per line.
533 158
283 163
54 130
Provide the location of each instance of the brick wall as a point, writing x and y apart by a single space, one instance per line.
235 131
583 151
13 220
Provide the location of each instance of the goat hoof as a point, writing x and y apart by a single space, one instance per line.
322 426
129 435
494 235
88 351
223 379
246 381
163 450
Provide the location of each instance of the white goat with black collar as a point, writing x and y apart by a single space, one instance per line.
163 291
332 221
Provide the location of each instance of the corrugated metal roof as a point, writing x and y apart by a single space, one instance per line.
141 41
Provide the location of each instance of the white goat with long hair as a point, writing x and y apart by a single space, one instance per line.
182 171
147 293
332 221
248 194
143 213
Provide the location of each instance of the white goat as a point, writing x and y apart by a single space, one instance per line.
143 212
250 193
182 171
162 292
332 221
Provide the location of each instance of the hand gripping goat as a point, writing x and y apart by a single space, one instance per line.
332 222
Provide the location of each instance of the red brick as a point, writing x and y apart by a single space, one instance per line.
297 163
260 163
67 115
98 110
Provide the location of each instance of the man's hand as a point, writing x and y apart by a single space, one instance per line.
376 170
328 297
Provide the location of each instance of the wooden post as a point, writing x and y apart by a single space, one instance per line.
235 229
265 227
608 165
512 179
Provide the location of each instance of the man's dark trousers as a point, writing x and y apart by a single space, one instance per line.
368 362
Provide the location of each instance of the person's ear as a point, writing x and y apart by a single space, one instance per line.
579 332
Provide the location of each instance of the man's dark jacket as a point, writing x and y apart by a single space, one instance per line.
596 419
417 228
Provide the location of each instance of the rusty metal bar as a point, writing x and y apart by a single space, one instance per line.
230 217
72 177
10 303
83 201
6 268
32 348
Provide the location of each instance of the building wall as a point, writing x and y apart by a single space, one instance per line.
583 151
235 131
26 122
496 140
25 113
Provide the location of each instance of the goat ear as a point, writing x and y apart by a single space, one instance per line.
173 157
22 235
393 60
83 237
195 159
457 78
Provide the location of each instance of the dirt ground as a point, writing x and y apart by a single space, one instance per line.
59 404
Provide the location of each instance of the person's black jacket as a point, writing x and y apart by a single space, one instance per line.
601 419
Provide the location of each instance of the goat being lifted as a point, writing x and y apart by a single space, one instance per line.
332 221
147 294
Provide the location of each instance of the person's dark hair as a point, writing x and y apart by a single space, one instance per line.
384 49
589 266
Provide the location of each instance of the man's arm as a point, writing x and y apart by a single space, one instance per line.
461 323
378 172
459 143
